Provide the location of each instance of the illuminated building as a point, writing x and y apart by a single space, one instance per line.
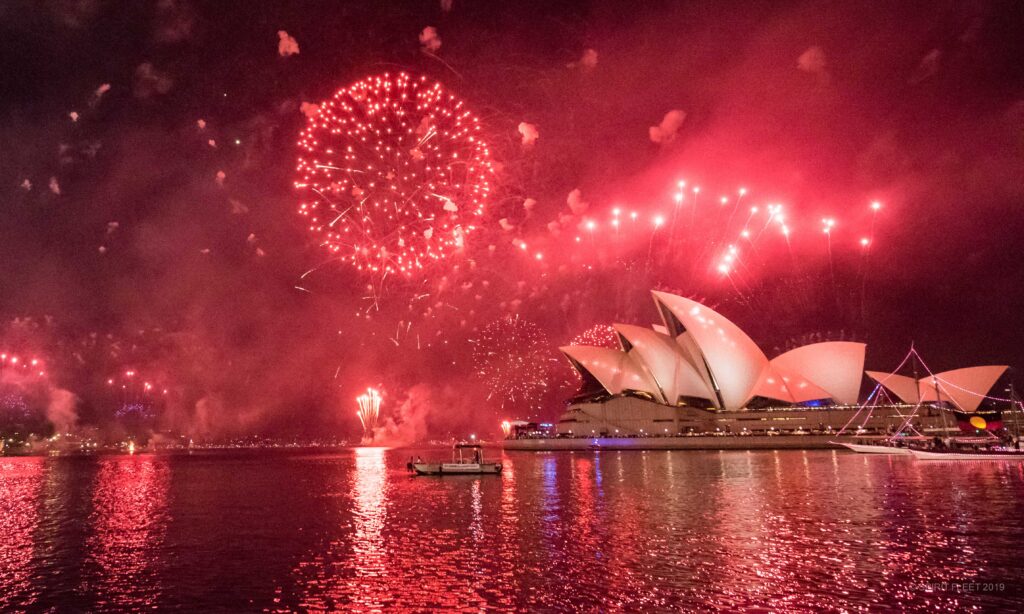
697 372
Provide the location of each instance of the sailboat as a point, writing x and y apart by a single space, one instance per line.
963 389
980 448
888 444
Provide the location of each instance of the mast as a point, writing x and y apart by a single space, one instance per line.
935 382
913 365
938 403
917 385
1014 411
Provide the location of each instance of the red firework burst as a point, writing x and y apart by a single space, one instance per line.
514 359
598 335
394 174
20 367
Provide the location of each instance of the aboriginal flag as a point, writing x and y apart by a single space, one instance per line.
979 421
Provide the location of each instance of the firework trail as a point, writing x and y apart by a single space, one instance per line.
866 244
369 411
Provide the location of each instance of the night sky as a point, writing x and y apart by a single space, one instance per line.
148 259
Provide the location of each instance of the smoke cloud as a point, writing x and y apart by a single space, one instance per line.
175 21
61 411
577 205
408 425
529 132
426 410
588 61
286 45
928 66
813 61
100 91
429 40
666 131
149 81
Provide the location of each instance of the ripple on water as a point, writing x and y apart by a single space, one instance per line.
351 530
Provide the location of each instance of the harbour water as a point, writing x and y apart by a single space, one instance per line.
609 530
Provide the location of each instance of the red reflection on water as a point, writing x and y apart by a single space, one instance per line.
20 482
509 509
783 543
370 513
129 521
659 531
506 546
583 527
752 543
356 581
448 554
583 477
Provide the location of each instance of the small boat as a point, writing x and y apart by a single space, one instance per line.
1001 454
467 459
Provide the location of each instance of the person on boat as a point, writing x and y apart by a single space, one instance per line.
476 456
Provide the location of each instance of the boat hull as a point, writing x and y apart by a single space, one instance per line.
967 456
457 468
861 448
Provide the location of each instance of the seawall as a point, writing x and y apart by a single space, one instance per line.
702 442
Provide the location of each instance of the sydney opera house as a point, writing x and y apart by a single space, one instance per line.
697 372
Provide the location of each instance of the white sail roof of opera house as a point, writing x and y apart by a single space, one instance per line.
965 388
697 353
664 359
834 366
732 358
616 371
